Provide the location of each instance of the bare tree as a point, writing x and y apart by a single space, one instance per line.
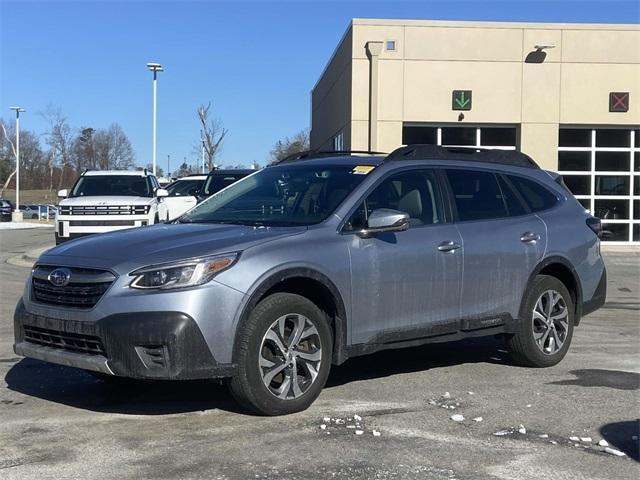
212 133
33 164
289 146
83 152
112 149
60 141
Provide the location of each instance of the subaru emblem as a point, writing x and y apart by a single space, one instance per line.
60 277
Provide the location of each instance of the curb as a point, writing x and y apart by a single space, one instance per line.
27 259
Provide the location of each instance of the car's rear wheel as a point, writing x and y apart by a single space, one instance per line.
546 324
283 356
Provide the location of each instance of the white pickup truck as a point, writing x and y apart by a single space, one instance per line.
106 200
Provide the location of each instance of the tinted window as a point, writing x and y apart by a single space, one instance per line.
109 185
419 135
612 185
477 195
575 137
613 138
514 205
215 183
183 188
537 197
572 161
414 192
495 136
458 136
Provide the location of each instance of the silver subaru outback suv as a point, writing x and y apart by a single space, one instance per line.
320 258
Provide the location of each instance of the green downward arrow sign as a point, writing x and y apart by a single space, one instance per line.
461 100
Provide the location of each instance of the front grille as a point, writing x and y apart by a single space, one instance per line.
85 287
104 210
72 342
102 223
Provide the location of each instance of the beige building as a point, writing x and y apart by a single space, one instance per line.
566 94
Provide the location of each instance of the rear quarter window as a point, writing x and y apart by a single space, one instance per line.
536 196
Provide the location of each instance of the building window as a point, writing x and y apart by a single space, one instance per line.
338 142
390 45
600 166
498 137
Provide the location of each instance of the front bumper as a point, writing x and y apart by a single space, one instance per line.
145 345
67 226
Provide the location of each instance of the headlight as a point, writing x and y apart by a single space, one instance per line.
187 273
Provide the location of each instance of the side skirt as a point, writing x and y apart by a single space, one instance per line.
437 333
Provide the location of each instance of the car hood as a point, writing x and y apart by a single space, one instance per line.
126 249
105 200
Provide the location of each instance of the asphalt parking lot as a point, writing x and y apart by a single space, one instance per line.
58 422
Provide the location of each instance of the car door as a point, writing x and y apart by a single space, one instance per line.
502 241
404 284
178 203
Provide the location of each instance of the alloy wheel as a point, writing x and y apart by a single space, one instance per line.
550 322
290 356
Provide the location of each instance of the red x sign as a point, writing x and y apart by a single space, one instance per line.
618 101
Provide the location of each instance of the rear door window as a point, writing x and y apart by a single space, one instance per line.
511 199
538 198
476 194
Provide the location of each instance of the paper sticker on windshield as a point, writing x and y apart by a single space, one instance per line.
362 169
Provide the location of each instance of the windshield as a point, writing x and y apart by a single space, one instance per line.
111 185
280 196
183 188
217 182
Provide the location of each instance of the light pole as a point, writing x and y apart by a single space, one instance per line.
202 140
155 68
16 216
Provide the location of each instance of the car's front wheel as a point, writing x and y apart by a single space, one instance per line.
546 324
283 355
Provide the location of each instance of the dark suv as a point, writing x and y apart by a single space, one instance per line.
6 207
318 259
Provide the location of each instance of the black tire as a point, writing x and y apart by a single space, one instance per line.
523 346
156 219
247 385
34 216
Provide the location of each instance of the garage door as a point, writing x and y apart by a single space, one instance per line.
601 166
487 136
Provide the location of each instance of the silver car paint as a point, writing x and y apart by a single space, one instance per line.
383 287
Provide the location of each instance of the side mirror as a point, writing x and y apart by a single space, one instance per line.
63 193
385 220
161 192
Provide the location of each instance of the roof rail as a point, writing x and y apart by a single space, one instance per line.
310 154
473 154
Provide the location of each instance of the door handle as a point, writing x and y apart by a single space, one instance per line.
448 247
529 237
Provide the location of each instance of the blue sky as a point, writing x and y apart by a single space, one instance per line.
256 61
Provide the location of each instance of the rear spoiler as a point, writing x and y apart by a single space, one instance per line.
558 179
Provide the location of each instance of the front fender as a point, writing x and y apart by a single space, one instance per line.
281 273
